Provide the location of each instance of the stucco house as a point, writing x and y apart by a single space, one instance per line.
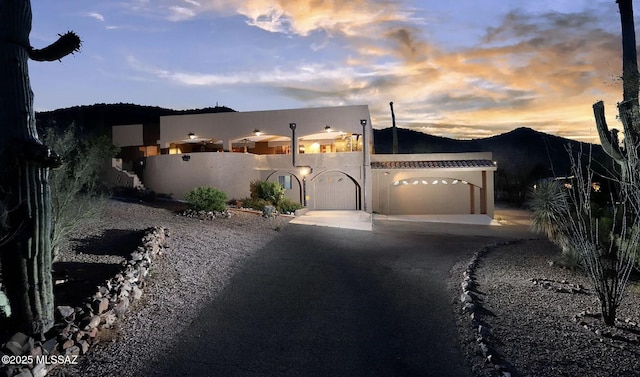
323 157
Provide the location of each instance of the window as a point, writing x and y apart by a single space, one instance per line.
285 181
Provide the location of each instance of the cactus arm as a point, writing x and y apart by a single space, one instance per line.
68 43
605 135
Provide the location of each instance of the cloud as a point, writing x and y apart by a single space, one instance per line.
179 13
531 68
96 15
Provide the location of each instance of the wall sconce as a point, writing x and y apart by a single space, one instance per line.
186 158
305 170
192 135
257 132
327 128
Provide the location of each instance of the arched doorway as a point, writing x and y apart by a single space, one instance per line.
334 190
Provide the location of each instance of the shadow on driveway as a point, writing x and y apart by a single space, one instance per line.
320 301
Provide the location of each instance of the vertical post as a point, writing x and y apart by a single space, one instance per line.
483 194
304 191
365 151
472 199
294 143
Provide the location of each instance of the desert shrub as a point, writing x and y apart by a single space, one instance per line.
287 205
77 196
550 210
272 192
257 204
206 198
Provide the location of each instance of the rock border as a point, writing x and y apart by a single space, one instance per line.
78 329
472 306
625 335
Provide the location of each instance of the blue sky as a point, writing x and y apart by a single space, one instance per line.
463 69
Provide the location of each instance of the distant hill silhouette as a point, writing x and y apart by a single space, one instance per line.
99 118
520 146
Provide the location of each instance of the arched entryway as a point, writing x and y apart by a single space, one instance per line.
334 190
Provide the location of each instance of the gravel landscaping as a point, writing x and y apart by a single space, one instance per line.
201 257
542 320
537 318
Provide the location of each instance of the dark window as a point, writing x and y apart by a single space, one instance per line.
285 181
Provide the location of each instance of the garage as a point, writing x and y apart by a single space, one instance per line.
433 184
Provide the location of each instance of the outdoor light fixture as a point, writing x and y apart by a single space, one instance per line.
327 128
292 126
305 170
192 135
257 132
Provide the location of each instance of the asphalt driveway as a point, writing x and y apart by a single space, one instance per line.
321 301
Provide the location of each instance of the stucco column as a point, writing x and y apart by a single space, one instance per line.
472 199
483 194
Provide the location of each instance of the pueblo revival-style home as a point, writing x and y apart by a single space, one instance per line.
323 157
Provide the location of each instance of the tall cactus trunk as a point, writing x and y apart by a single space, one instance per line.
25 252
630 74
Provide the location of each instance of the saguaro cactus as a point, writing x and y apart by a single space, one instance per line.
628 108
25 229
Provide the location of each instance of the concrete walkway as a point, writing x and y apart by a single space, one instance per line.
356 220
514 221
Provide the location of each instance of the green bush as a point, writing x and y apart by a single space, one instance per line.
288 206
272 192
257 204
207 199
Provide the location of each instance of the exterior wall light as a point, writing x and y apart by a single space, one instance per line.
305 170
257 132
192 135
327 128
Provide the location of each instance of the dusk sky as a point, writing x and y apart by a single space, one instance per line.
462 69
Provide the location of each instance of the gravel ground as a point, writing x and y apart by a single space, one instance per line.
534 326
201 258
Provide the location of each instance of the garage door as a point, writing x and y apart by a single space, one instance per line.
334 191
429 196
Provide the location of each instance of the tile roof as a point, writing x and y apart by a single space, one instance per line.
439 164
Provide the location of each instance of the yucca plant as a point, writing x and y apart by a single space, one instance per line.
550 211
